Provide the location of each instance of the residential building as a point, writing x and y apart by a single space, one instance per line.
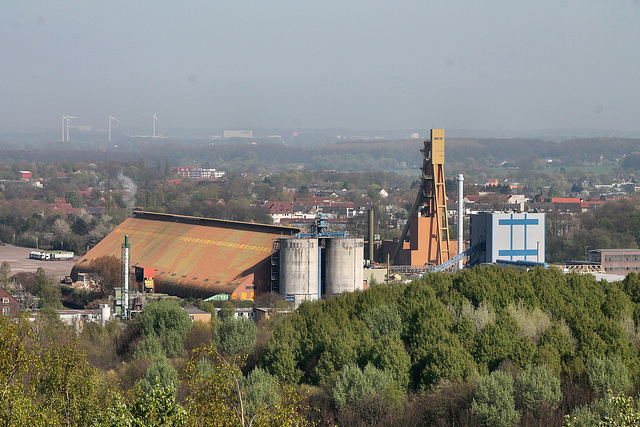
237 134
197 315
196 172
9 306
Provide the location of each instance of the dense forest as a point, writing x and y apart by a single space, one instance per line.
487 346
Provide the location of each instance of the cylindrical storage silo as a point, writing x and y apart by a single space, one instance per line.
343 265
105 313
299 269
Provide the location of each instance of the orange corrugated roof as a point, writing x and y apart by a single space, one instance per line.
192 256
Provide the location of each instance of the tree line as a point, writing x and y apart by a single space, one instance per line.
486 346
159 371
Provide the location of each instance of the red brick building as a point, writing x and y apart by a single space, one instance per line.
9 306
617 261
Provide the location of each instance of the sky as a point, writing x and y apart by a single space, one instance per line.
459 64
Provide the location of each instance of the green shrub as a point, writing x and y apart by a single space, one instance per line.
537 390
532 322
236 336
608 374
161 373
166 320
480 316
149 348
382 320
633 332
260 390
353 384
494 404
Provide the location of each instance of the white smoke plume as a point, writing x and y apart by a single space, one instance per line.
130 188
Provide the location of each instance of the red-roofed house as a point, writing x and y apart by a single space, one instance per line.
9 306
280 207
565 200
220 202
287 210
61 205
472 198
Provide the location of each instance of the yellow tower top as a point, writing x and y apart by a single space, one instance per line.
437 146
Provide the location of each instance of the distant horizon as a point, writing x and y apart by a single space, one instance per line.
97 135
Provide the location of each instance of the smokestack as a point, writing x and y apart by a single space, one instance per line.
460 217
371 243
125 276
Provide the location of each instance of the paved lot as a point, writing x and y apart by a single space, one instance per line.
19 260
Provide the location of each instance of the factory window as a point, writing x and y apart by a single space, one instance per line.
173 274
206 280
5 311
195 278
184 276
5 300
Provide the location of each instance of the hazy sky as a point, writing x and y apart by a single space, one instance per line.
506 65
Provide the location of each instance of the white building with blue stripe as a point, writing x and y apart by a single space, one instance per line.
509 236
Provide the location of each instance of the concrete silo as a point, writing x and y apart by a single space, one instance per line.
299 269
343 265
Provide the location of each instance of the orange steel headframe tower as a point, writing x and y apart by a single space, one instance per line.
428 224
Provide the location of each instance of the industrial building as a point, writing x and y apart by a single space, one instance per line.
199 257
494 236
197 172
317 264
193 257
616 261
310 267
237 134
425 238
508 236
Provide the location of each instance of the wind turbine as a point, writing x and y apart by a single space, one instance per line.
63 119
111 118
68 120
155 119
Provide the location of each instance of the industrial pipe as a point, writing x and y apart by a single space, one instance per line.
125 276
460 217
371 242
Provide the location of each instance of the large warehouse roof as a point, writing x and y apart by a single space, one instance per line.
191 256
